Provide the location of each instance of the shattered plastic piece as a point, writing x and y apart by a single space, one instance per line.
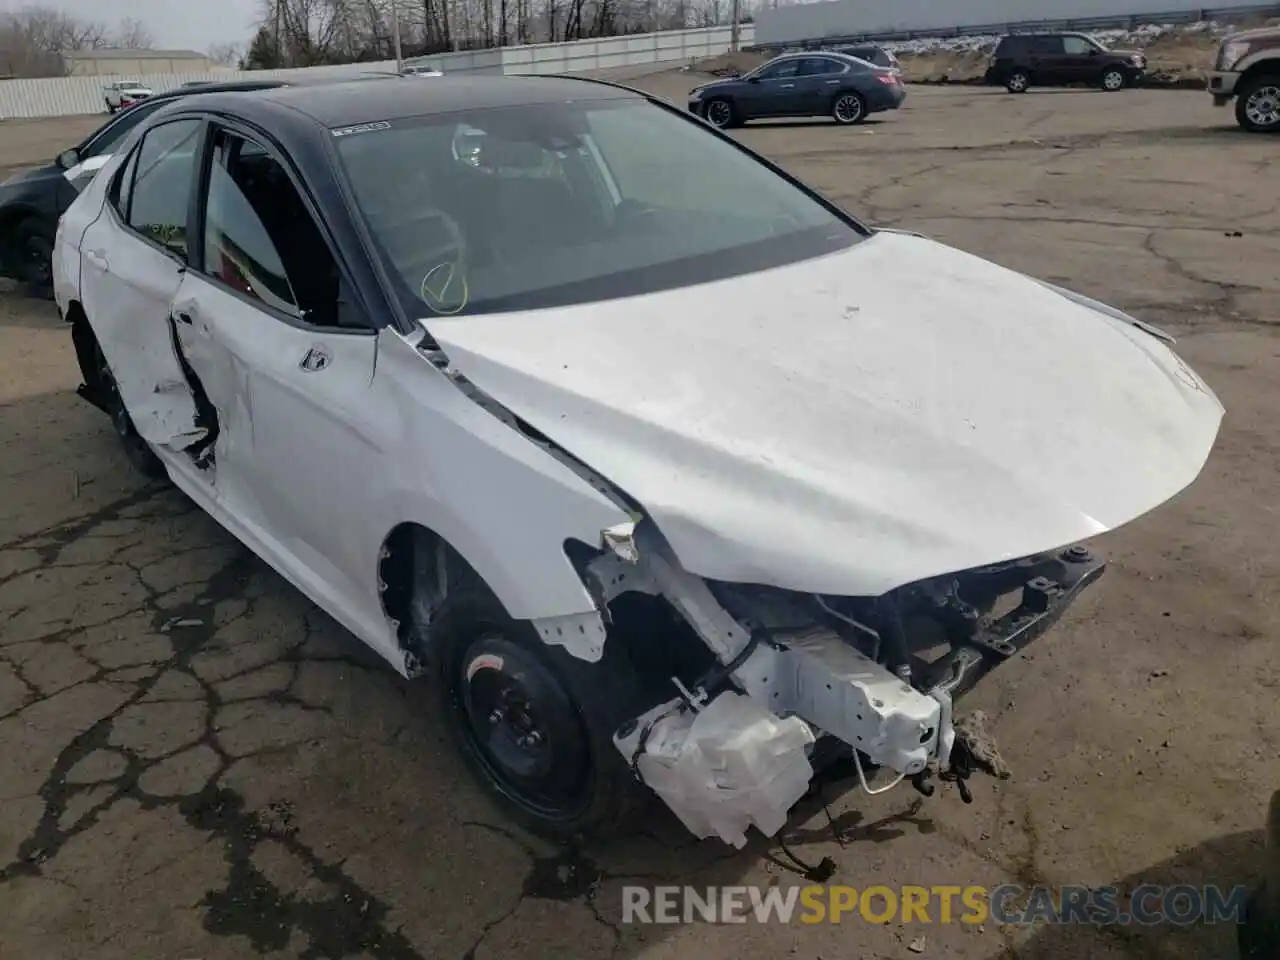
724 768
621 540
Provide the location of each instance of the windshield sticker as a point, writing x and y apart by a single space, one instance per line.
360 128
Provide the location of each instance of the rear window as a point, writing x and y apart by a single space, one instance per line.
560 203
1010 46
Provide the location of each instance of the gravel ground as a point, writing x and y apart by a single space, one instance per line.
195 762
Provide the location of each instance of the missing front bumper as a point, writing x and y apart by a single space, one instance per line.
814 685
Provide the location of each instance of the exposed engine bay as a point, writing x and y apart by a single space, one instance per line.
802 681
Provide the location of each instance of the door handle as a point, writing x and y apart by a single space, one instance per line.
786 86
833 83
98 259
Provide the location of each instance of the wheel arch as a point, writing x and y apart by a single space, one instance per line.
419 568
1267 66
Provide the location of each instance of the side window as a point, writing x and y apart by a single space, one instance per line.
122 188
785 70
1076 46
260 238
110 137
821 67
165 164
1047 46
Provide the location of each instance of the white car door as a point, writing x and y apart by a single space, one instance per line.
133 258
289 367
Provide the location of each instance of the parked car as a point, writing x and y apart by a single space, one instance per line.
123 94
421 70
871 53
1059 59
32 201
570 433
801 85
1247 70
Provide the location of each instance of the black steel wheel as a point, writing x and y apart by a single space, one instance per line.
34 239
534 723
523 727
139 454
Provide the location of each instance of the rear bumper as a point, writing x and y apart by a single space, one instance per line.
887 98
1222 85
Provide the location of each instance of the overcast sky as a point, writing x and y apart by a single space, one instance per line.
176 24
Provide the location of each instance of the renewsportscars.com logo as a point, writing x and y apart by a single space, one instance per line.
1148 904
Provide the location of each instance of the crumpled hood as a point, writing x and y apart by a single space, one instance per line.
855 422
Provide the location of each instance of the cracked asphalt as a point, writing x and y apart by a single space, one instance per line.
197 763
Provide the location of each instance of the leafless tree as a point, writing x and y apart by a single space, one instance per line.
225 54
133 34
33 40
340 31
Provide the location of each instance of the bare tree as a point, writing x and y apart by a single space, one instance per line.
225 54
33 40
306 32
133 34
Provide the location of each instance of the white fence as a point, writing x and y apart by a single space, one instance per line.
67 96
846 18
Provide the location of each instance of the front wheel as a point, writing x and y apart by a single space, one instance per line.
1114 79
720 114
1017 82
848 108
534 723
1258 104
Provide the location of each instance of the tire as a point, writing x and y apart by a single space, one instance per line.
498 684
848 108
34 249
1258 104
1113 79
1018 81
100 378
720 113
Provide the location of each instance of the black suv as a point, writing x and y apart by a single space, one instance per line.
1059 59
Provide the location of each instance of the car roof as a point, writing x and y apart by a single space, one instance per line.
351 102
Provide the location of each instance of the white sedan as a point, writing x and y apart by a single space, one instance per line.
661 468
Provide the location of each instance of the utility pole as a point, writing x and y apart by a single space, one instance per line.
734 32
395 35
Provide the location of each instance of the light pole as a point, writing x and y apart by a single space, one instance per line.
395 35
734 33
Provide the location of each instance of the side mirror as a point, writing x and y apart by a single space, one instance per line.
67 158
1094 51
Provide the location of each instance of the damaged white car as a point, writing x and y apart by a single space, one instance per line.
661 468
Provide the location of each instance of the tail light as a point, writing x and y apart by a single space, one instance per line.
891 79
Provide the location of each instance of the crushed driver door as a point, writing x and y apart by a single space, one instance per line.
286 363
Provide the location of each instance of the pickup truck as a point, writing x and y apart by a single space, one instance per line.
123 94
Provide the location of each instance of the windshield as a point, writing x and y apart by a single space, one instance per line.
547 205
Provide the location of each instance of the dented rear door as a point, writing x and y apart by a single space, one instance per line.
133 259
